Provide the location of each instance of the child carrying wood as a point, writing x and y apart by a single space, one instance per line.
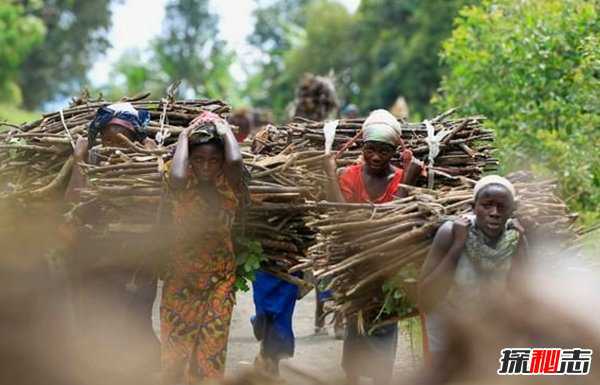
470 258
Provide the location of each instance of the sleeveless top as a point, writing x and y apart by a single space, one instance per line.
482 265
479 267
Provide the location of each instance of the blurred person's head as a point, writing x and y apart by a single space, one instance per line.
400 108
350 111
521 318
243 119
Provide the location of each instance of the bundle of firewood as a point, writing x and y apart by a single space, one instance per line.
128 184
316 98
363 246
34 158
465 152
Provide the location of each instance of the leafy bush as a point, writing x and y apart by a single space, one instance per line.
19 33
533 68
249 256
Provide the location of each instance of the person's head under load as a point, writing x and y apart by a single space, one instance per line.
117 124
206 148
494 204
382 134
350 112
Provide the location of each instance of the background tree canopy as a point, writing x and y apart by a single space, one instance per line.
75 35
189 49
533 69
19 34
386 49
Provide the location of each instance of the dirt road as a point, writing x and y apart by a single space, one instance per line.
316 354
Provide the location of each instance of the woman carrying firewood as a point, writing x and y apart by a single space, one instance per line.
206 182
116 125
112 290
470 258
374 180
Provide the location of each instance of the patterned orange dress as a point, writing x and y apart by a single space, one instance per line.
198 294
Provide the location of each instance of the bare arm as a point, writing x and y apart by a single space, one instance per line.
334 193
438 270
411 174
233 158
78 180
149 144
179 170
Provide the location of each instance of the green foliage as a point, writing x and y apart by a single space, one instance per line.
397 303
10 113
399 43
533 68
189 50
76 35
249 256
133 74
19 34
326 45
387 49
137 75
278 29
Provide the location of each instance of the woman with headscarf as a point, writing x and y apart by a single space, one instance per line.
115 125
374 180
470 256
206 182
113 284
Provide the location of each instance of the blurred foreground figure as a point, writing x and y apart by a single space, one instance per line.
205 180
527 317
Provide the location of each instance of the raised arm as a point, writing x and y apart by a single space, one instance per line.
412 170
438 270
233 156
179 170
77 180
333 190
149 144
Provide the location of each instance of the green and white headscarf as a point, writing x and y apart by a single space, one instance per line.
381 126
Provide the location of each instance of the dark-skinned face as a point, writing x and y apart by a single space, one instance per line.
110 136
493 207
377 156
206 161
